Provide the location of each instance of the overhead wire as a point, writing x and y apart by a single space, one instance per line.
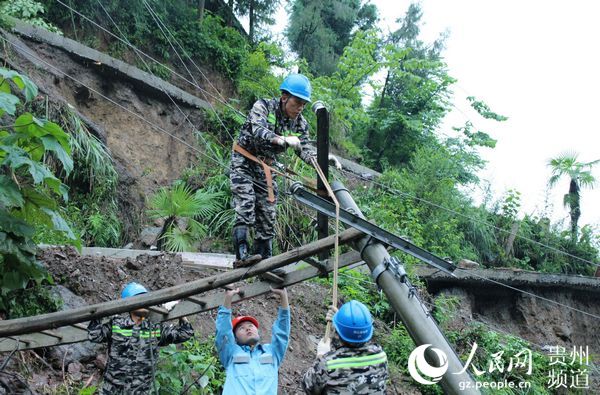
397 192
163 31
142 118
353 174
433 306
195 84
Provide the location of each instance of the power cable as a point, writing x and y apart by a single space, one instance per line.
531 294
150 123
158 23
397 192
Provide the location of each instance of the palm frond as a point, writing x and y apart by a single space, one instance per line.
177 240
178 201
209 203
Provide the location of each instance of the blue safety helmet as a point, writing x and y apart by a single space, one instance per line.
297 85
353 322
133 289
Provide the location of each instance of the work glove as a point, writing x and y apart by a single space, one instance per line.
323 347
290 141
169 305
330 313
335 162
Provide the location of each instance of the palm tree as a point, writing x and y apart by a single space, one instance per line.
184 212
581 177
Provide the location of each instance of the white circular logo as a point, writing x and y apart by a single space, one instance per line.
418 366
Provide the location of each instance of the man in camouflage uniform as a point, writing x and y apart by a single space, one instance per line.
271 127
354 365
133 347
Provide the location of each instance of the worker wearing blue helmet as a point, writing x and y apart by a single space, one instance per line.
133 343
354 364
271 127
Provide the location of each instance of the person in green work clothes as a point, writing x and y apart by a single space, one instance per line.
272 126
133 343
354 364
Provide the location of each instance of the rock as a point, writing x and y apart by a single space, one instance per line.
128 246
468 264
74 352
149 235
122 275
74 370
132 264
182 224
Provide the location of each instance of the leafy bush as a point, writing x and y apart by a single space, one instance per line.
30 193
31 301
27 10
193 367
211 41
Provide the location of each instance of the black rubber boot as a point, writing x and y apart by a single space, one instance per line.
240 245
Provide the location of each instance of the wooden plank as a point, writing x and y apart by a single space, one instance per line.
192 304
25 325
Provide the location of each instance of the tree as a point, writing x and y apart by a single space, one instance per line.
320 30
580 175
181 209
414 97
260 12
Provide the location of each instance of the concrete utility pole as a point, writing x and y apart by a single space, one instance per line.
418 322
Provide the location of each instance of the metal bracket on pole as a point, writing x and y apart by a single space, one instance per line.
382 235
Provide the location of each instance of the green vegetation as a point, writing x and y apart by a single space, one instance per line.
192 367
423 194
319 31
181 209
580 176
29 11
208 41
31 195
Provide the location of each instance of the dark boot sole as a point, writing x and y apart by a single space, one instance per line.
251 260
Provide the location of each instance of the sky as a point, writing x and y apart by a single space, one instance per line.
534 61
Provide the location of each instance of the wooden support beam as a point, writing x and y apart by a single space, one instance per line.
52 334
26 325
196 300
189 305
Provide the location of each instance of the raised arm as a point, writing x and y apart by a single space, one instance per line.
224 339
99 332
280 333
173 334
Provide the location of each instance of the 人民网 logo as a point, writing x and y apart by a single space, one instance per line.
418 367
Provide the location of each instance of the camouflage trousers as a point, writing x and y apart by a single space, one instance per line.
249 191
135 388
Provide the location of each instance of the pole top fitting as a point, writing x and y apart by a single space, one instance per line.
318 105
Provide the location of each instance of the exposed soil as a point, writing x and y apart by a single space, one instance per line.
99 279
145 158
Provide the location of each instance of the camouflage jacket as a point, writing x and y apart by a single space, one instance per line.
133 350
264 122
346 370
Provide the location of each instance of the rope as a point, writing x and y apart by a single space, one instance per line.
334 297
